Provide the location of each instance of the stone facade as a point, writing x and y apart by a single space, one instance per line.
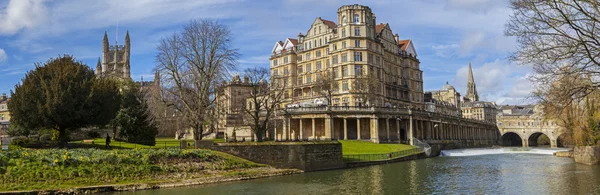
4 114
353 47
480 110
115 59
306 157
446 100
522 125
230 102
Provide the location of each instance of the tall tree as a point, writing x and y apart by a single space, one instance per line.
366 86
192 63
264 101
65 95
326 85
134 119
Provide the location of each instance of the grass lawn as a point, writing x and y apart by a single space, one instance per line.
160 143
366 147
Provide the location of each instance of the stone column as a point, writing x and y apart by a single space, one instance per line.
429 130
301 129
345 129
387 128
358 129
398 129
314 136
374 129
553 143
328 128
410 131
285 128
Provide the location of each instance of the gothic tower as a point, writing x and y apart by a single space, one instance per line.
471 89
115 59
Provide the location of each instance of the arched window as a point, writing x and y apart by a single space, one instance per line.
356 21
343 19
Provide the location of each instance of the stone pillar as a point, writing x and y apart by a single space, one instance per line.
301 129
387 128
410 131
345 129
553 143
329 128
429 130
374 129
358 129
398 129
285 129
314 135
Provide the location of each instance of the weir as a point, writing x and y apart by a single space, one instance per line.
504 150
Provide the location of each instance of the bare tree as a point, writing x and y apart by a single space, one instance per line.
326 85
559 38
192 63
366 86
265 99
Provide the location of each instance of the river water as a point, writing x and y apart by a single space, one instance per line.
462 172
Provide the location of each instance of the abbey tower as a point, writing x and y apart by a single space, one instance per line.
115 59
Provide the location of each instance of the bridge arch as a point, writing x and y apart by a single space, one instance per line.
563 140
511 139
539 139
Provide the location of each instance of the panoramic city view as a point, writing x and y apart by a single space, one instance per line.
300 97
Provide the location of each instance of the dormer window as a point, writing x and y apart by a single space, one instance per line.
356 19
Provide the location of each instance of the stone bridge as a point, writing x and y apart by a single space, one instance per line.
527 133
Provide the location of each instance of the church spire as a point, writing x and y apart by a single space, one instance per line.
99 67
471 88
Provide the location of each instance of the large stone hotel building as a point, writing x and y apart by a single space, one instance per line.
352 47
353 50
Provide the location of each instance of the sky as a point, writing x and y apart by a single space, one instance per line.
447 34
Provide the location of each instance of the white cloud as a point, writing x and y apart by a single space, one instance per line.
3 55
470 42
22 14
445 51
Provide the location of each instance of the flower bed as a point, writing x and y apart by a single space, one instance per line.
60 169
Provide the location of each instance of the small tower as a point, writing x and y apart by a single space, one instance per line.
115 59
471 88
99 67
157 78
104 51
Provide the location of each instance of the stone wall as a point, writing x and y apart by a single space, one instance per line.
587 154
303 156
437 147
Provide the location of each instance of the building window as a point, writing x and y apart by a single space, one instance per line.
285 60
309 45
343 32
285 71
343 44
344 71
299 68
326 40
327 63
275 72
299 80
335 59
308 56
357 70
317 54
356 43
344 58
275 62
334 47
308 68
299 58
345 86
318 65
356 19
343 19
356 31
335 72
308 79
1 117
358 56
327 51
377 60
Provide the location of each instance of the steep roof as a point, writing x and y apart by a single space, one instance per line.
329 23
379 28
294 41
404 44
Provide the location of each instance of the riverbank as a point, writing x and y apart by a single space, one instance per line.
77 171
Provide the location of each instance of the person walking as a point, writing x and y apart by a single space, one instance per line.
107 141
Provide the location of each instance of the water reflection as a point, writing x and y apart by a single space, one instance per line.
486 174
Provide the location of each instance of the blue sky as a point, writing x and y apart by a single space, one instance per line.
447 34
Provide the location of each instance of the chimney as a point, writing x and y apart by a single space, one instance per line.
396 37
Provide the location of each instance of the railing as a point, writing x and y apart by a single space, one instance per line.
381 157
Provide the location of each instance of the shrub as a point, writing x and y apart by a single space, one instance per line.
26 142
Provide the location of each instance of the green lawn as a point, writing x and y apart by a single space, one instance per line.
365 147
160 143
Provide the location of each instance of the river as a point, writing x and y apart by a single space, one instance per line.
497 173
